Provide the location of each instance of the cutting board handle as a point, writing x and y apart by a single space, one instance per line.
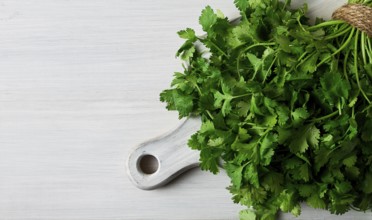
168 156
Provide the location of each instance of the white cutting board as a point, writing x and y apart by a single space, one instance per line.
79 87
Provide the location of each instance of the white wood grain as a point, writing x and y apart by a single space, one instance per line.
79 87
169 157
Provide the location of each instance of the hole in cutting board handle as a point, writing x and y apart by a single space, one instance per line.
157 161
148 164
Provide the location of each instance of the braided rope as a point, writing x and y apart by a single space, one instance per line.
357 15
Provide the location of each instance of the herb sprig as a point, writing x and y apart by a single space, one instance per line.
285 104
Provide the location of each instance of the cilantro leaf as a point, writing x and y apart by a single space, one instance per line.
235 173
268 145
366 184
207 19
251 174
188 34
247 215
242 5
286 104
334 87
304 137
287 201
316 202
179 101
223 101
256 63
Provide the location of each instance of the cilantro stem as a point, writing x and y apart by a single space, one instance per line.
355 208
245 50
339 108
343 31
258 128
303 60
197 88
302 56
271 65
345 66
325 24
219 49
209 114
240 96
356 42
340 49
366 108
346 42
362 47
200 94
300 24
332 47
254 126
325 117
368 41
286 3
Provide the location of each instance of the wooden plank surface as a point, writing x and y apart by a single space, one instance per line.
79 87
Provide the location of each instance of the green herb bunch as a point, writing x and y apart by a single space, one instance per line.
285 104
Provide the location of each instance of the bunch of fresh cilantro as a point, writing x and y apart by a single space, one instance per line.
285 104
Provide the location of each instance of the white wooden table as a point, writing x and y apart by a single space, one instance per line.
79 88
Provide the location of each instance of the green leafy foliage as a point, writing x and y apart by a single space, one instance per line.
207 19
285 104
